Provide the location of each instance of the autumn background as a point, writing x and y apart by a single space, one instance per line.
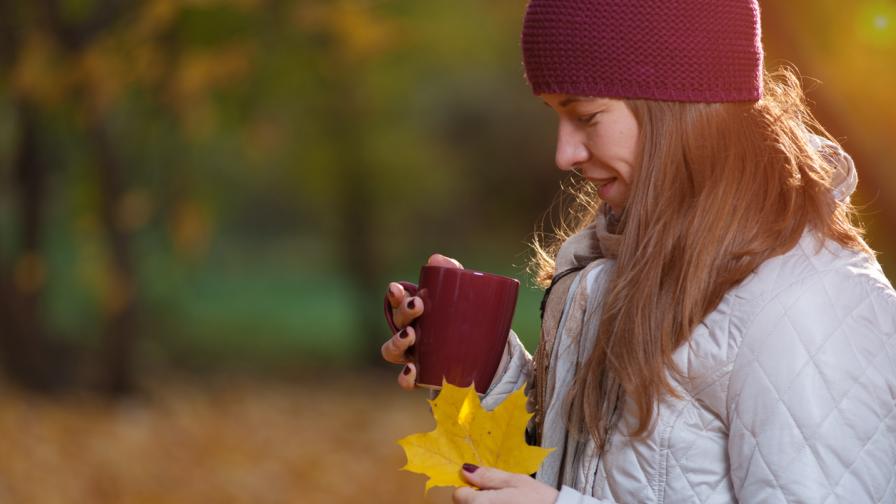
202 201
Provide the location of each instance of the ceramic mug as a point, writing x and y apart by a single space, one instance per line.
463 330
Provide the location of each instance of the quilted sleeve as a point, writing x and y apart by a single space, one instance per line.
515 370
570 496
811 399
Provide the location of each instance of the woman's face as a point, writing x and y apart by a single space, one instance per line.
599 136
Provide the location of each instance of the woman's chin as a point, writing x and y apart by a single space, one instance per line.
614 194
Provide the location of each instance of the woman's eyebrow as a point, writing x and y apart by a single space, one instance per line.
572 99
566 101
593 99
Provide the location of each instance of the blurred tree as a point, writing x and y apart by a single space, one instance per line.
358 38
22 276
56 30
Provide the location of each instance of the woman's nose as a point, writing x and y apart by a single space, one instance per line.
571 151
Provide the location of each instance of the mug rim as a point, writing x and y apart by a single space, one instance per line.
471 272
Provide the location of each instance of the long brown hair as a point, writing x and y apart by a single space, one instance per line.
721 188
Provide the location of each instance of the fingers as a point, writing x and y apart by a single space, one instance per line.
464 495
395 348
408 310
405 308
495 485
396 294
440 260
408 376
489 478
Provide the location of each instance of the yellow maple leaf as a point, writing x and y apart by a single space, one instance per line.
466 433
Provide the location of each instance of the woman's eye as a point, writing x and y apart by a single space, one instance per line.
586 119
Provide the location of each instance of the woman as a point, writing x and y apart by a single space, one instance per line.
717 330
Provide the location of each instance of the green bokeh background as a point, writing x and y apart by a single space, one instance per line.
282 161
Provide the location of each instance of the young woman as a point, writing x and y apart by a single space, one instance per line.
715 329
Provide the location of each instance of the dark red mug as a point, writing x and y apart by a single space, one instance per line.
464 327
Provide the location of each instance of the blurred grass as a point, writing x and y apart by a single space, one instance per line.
257 308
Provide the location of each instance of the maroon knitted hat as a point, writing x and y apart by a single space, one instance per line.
674 50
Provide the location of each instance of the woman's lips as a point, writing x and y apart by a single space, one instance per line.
604 186
604 190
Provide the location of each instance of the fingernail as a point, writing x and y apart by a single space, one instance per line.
470 468
407 370
411 304
404 333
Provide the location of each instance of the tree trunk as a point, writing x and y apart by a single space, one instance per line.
358 250
22 282
120 331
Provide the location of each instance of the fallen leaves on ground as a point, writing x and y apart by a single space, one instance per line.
227 440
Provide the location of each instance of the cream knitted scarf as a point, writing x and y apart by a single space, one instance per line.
577 254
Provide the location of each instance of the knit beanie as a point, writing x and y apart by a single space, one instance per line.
673 50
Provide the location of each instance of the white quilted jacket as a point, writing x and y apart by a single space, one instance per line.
790 394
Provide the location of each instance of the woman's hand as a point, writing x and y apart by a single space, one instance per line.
405 309
497 487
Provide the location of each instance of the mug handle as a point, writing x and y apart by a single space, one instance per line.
387 306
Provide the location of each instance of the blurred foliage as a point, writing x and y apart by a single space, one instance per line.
280 161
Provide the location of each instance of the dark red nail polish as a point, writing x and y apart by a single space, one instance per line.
407 370
411 304
404 333
470 468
